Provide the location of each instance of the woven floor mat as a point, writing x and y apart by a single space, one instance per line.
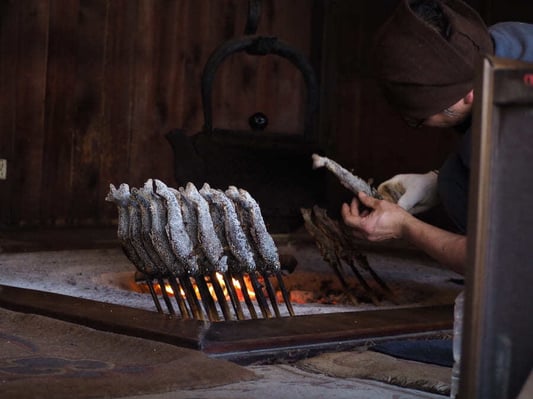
42 357
380 367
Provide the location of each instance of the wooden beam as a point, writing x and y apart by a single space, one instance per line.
242 341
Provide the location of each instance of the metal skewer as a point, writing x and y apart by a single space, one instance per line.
207 299
284 293
154 295
259 296
177 296
221 297
246 295
233 295
165 295
271 293
192 299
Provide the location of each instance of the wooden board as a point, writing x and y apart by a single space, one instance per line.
241 341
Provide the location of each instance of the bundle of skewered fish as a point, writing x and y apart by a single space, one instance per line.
337 244
204 238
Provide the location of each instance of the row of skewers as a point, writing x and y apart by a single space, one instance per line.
336 242
190 237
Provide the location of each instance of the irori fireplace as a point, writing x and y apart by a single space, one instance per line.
90 287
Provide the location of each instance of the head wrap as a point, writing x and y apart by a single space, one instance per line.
422 72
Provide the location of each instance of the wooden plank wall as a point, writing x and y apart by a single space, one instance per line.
88 89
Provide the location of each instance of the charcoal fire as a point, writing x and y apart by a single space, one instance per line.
208 239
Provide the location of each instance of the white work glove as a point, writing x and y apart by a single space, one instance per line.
413 192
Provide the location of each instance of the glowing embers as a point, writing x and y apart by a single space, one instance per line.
217 295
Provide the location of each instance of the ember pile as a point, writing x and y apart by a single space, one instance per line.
201 243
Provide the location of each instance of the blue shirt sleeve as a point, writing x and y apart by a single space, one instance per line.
513 40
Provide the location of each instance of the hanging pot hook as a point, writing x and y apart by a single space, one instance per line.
254 14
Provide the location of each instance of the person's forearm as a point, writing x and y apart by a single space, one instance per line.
445 247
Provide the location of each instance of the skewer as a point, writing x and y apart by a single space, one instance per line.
228 282
341 247
284 293
221 297
154 295
207 299
271 294
362 281
165 295
247 299
179 300
192 299
363 262
259 296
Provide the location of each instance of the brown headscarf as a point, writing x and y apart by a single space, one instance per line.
421 72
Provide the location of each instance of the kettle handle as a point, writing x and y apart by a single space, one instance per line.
259 45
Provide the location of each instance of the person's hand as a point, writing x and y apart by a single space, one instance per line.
413 192
382 220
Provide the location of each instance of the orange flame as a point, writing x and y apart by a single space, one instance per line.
236 284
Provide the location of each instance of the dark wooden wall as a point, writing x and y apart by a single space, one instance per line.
89 88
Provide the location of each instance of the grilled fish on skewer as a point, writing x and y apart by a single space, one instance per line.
232 193
188 216
180 241
161 244
346 178
134 216
264 248
143 205
234 234
121 197
145 251
217 215
143 202
190 222
214 258
218 224
157 233
262 240
206 231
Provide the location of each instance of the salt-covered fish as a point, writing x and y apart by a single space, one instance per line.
175 230
231 227
157 234
254 222
135 233
353 183
121 198
140 228
207 236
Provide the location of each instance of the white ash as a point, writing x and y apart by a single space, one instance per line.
106 275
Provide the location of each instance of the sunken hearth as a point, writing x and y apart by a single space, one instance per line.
97 287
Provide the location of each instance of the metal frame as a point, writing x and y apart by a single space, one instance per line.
497 349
